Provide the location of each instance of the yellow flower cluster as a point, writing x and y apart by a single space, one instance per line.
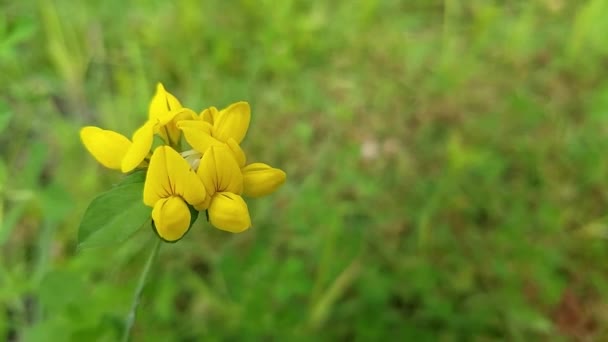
210 174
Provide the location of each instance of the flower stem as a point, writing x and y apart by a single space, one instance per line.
140 287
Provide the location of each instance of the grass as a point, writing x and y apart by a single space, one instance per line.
446 178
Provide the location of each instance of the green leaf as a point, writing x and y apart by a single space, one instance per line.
115 215
134 177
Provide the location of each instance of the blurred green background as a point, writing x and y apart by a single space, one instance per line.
445 161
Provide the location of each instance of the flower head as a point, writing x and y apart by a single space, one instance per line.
211 176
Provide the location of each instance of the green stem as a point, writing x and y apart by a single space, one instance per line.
140 287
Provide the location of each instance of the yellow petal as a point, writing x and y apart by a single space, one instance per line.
237 152
229 212
139 149
172 102
203 205
162 102
197 134
188 185
219 171
176 115
158 104
199 125
170 175
166 124
260 179
107 147
171 217
157 185
233 122
209 115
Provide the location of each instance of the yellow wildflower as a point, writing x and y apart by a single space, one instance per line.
228 127
170 186
213 128
166 110
223 181
212 176
163 113
115 151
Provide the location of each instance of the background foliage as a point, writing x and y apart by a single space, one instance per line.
445 161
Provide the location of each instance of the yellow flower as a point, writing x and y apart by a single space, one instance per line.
228 128
213 128
115 151
163 114
170 186
167 111
139 149
260 179
223 181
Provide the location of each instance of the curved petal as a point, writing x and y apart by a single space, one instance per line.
233 122
229 212
209 115
171 217
166 125
158 104
177 115
260 179
172 102
107 147
162 102
200 125
157 185
197 134
188 185
237 152
184 114
170 175
203 205
139 149
219 171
